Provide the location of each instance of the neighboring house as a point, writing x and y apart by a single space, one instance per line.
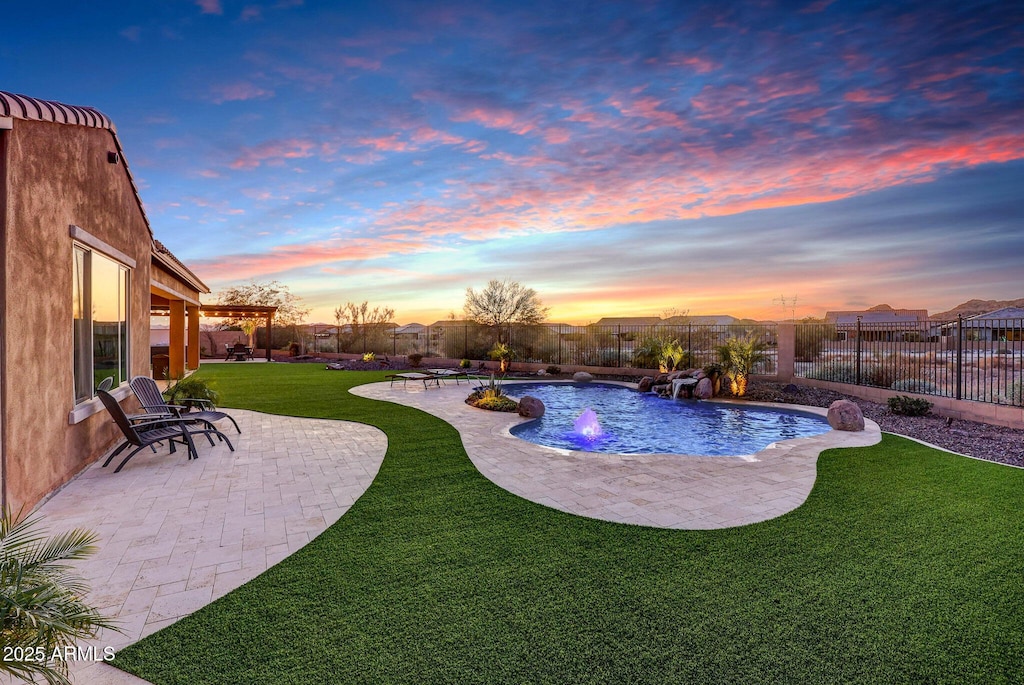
80 276
631 321
1001 325
889 325
411 336
701 320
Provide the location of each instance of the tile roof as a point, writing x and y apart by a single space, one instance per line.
28 108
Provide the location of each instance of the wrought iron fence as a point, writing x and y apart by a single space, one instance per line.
971 359
605 346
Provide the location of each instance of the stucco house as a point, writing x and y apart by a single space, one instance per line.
880 323
80 275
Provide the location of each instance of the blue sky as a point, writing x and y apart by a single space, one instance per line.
620 158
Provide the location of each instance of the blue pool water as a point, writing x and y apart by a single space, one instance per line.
643 423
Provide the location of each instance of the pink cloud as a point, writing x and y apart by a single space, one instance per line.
210 6
243 90
274 151
862 95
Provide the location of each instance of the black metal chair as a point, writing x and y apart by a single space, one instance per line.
148 433
152 401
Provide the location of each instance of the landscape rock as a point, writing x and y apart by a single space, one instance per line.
645 384
704 390
844 415
662 389
531 407
661 379
582 377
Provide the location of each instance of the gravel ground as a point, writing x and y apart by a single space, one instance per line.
981 440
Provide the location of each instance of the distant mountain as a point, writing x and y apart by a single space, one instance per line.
975 307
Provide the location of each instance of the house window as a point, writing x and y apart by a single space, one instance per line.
100 303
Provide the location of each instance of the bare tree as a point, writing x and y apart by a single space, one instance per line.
503 303
363 324
290 311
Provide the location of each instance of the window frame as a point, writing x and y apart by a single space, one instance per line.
84 242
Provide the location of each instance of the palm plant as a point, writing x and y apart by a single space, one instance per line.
42 610
738 357
192 392
503 354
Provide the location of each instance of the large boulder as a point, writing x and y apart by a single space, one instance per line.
582 377
645 384
661 379
844 415
704 390
531 407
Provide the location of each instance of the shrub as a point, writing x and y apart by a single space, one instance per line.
465 364
909 406
554 370
738 357
497 404
810 339
503 354
414 359
917 385
674 358
189 391
648 352
369 357
835 371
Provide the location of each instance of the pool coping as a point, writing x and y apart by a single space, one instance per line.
657 490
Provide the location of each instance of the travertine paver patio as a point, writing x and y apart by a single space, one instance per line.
177 534
663 490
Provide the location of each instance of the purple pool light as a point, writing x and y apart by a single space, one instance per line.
587 425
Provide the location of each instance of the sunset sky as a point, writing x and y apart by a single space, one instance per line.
620 158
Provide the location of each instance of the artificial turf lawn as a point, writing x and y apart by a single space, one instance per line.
904 565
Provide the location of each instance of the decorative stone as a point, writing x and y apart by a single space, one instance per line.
683 384
844 415
645 384
531 407
674 375
661 389
541 372
700 375
582 377
704 390
791 389
661 379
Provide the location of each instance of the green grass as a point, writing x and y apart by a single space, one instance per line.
904 565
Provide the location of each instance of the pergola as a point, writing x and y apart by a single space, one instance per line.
242 311
221 311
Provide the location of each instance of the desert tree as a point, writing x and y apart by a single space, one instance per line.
290 311
504 303
363 324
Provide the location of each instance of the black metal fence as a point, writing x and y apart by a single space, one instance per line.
557 345
969 359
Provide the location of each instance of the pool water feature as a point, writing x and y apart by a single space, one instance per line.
643 423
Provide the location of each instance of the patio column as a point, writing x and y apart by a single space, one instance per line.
270 337
193 337
176 367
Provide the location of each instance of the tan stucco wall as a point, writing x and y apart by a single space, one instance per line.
58 175
158 274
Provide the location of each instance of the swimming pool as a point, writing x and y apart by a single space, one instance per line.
643 423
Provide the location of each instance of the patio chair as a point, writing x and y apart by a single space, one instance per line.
152 401
239 352
149 433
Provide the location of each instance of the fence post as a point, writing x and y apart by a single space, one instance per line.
858 351
394 341
465 341
618 346
959 356
689 340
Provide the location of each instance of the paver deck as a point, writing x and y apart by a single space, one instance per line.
177 534
661 490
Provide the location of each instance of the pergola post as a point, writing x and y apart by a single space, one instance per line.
270 337
193 337
176 353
